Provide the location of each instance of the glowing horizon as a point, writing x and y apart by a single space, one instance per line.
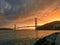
45 11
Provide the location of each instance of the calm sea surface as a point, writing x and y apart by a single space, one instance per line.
27 36
26 33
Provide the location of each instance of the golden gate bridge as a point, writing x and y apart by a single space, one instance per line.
35 25
28 26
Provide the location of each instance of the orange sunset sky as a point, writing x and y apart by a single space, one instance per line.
44 11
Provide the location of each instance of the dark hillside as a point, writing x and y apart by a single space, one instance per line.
50 26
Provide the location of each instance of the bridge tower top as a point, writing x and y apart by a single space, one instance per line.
35 23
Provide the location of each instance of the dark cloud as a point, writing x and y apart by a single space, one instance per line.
11 8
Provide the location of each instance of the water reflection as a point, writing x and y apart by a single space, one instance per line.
23 36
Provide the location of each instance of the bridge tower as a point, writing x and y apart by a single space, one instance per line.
36 33
35 23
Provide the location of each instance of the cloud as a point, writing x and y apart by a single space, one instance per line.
10 10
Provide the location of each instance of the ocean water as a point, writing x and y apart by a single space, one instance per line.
23 37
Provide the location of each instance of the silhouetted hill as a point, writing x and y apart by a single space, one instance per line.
50 26
6 29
